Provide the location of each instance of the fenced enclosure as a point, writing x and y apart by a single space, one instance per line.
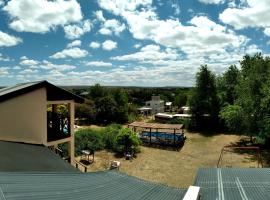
236 156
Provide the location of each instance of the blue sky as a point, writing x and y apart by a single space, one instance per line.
127 43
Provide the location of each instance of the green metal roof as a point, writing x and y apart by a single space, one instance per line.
96 185
21 157
234 183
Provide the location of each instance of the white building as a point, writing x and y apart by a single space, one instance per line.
156 104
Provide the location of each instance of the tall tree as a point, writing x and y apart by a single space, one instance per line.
226 86
204 101
252 97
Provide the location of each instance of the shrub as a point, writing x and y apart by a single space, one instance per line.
110 134
126 142
89 139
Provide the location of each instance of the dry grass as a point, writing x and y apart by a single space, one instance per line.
174 168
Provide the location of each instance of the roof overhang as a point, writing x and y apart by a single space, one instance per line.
54 93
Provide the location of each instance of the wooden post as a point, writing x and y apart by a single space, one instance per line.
71 144
150 134
174 137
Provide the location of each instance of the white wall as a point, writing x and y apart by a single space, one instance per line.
24 118
157 106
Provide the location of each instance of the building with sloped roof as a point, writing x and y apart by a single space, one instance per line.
25 117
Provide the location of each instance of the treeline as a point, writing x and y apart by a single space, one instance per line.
105 105
238 100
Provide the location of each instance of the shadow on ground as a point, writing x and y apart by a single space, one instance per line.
261 155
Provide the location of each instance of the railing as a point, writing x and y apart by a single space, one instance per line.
77 164
227 148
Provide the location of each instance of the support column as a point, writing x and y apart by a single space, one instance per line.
71 145
150 135
174 137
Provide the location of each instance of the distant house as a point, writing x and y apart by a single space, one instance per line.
156 104
144 111
168 106
29 115
186 109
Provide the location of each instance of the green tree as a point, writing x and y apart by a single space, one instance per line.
121 113
85 110
226 86
180 99
233 116
96 92
88 139
127 141
106 108
204 101
109 135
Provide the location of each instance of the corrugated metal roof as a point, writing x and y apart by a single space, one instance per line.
53 92
21 157
234 183
14 88
98 185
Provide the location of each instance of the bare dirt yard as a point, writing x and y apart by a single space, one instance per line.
178 168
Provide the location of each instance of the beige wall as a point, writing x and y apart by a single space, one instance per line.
24 118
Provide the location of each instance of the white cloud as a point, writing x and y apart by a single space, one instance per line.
99 15
56 67
149 54
253 13
77 30
99 64
267 31
29 71
17 68
4 71
23 58
203 36
176 8
2 3
4 58
112 26
8 40
40 16
74 43
94 45
252 49
109 45
105 31
28 62
137 46
212 1
119 6
70 53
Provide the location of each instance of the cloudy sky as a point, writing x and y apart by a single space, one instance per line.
127 42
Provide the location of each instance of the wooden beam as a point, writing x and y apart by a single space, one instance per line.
150 135
174 137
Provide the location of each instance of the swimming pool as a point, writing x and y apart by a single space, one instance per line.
164 135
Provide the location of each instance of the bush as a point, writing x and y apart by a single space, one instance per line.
176 121
89 139
127 142
110 134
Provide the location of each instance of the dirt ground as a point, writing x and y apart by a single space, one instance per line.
177 168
